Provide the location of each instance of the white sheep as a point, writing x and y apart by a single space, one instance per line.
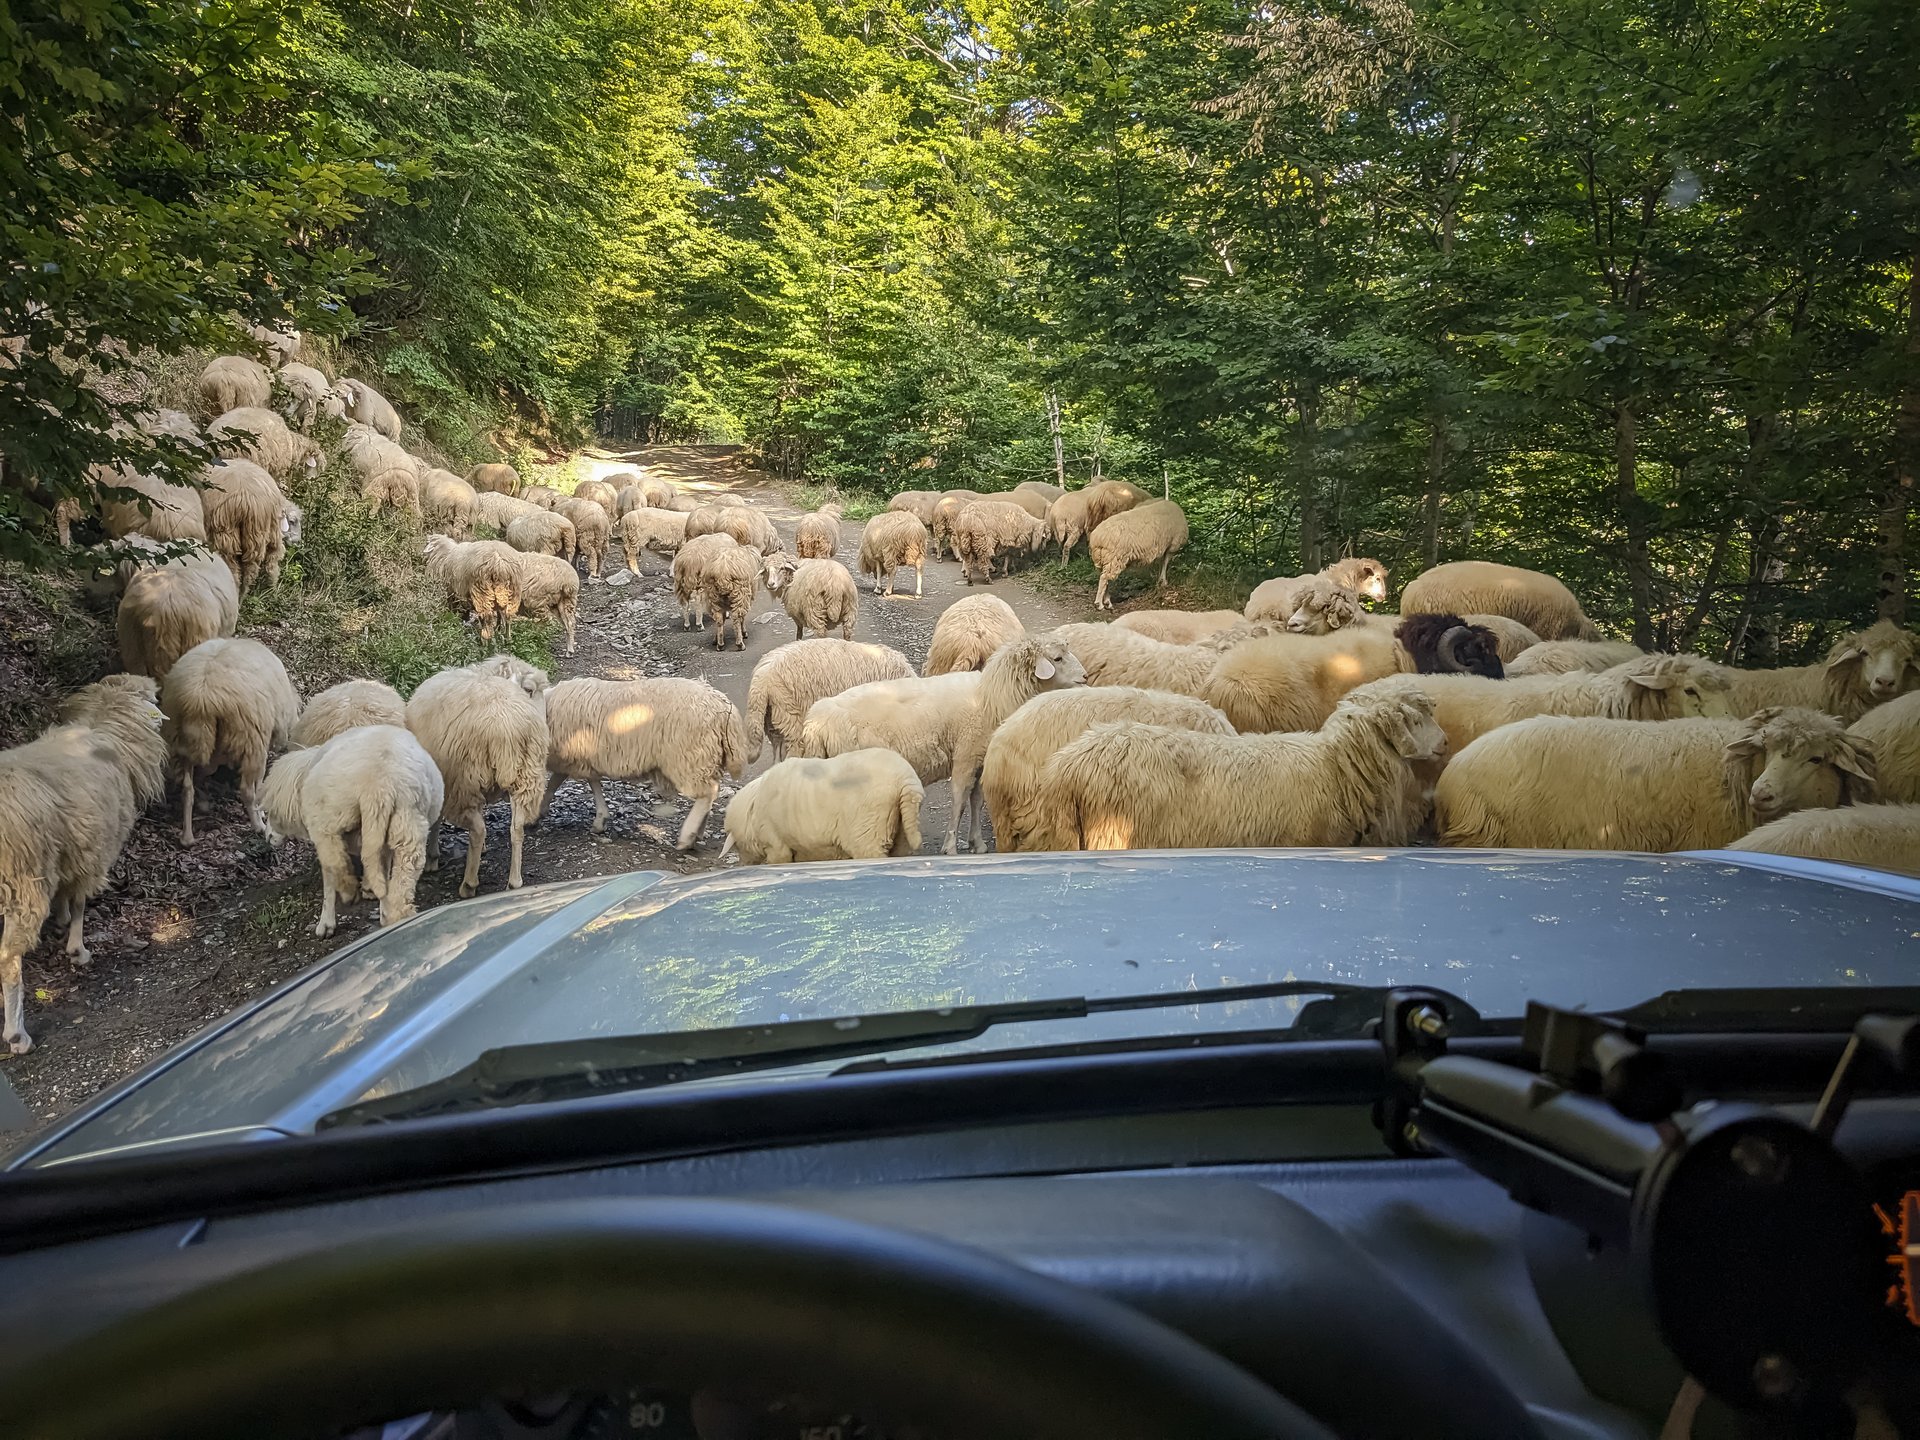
725 589
683 734
257 434
1010 775
481 577
593 531
917 718
488 739
1293 682
1560 657
1862 669
303 392
969 631
1116 656
1306 604
1140 535
530 678
816 594
446 502
646 492
495 478
790 677
248 520
744 524
1108 498
544 532
281 347
661 531
817 537
369 407
985 528
545 496
549 590
1589 783
227 702
1018 671
172 512
917 503
346 706
388 474
600 493
945 511
376 782
1047 492
1129 786
863 805
170 607
1178 627
230 381
1067 521
68 801
1036 501
1893 730
690 563
490 507
889 540
1538 601
1879 837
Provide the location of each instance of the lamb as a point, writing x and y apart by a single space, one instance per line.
172 512
369 407
446 503
227 702
490 507
388 474
791 677
1019 670
679 733
690 564
1447 645
1010 776
1144 533
1131 786
917 503
1893 730
863 805
1862 669
544 532
1654 687
231 381
983 529
817 537
169 608
1293 682
69 800
969 631
743 523
1306 604
725 589
660 531
248 520
592 529
374 781
1880 837
1559 657
346 706
545 496
1538 601
549 590
1604 784
495 477
1178 627
261 436
816 594
945 511
606 496
1513 638
302 392
488 738
1114 656
482 579
891 539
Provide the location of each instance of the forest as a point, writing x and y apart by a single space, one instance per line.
1624 290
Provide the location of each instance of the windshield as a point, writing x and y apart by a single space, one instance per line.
1346 495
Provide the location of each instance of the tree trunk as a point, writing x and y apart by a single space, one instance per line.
1633 512
1312 540
1898 497
1430 509
1059 451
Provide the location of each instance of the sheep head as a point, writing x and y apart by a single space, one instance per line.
1788 758
1324 606
1441 644
1365 577
777 569
511 667
1674 687
1872 665
1045 662
1411 728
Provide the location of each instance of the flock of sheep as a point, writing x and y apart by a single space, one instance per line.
1487 712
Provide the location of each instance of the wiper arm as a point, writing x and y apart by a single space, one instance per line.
571 1069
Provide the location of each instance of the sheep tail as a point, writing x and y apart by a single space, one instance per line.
733 745
379 833
759 708
907 842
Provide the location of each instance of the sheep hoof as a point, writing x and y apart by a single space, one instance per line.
322 929
950 848
82 958
467 892
514 882
20 1044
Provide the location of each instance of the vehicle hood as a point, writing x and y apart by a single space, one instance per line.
644 952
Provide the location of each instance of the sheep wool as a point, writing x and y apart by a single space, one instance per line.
495 477
1067 520
168 609
817 537
643 492
446 503
917 503
171 512
376 782
690 563
790 677
545 496
1538 601
482 579
1140 535
681 734
1178 627
227 702
725 589
257 434
247 520
816 594
1019 670
606 496
1108 498
388 474
1893 730
919 719
744 524
488 739
969 631
593 531
369 407
1878 837
1047 492
231 381
530 678
1116 656
660 531
549 590
1306 604
490 507
302 393
1035 502
986 528
945 511
889 540
1561 657
1862 669
863 805
1512 637
346 706
543 532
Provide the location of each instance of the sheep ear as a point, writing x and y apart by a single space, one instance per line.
1042 668
1854 757
1655 680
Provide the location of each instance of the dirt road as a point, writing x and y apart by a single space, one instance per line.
189 935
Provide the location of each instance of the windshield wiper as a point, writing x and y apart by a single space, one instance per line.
571 1069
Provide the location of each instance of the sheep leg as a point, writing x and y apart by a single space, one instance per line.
696 817
476 822
517 834
186 805
336 878
573 617
919 574
1163 568
433 845
24 917
252 771
74 909
800 631
396 904
599 804
1100 594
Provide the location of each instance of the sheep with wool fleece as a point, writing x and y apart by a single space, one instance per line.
68 801
1115 656
446 503
260 435
863 805
347 706
281 347
170 607
495 478
231 381
1893 730
227 702
917 503
986 528
376 782
672 732
549 590
917 718
1562 657
1592 783
490 507
1306 604
661 531
248 520
1178 627
302 392
945 511
1153 530
1654 687
1108 498
816 594
743 523
1877 837
969 631
1010 773
643 492
482 579
1447 645
389 475
725 589
889 540
817 536
545 496
1033 502
1293 682
1046 490
593 531
172 512
790 677
1539 601
369 407
1067 521
488 738
1019 670
530 678
1862 669
606 496
1129 786
545 532
690 564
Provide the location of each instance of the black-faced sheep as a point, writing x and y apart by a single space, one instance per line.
1879 837
1146 532
1562 657
1178 627
170 607
817 536
1019 670
969 631
1862 669
891 539
682 734
248 520
496 478
230 381
1893 730
1538 601
789 678
863 805
816 594
259 435
346 706
661 531
227 702
368 406
1448 645
482 579
488 739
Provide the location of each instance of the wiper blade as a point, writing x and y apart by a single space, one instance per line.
571 1069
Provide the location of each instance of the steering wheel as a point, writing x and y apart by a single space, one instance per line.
606 1294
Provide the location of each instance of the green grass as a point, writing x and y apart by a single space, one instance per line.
1199 587
856 506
